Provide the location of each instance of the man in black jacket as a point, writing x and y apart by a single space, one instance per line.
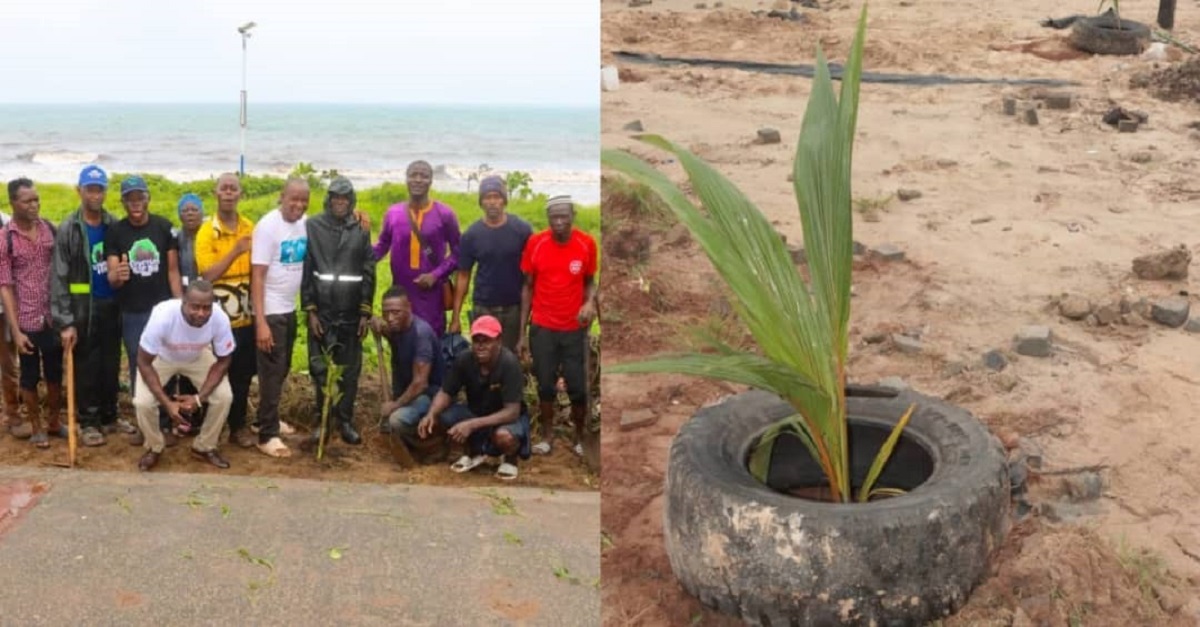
338 294
84 308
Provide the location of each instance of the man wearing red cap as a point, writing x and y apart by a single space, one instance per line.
494 421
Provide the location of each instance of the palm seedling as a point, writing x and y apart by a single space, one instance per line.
801 329
332 394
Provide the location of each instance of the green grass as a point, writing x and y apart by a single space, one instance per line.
261 195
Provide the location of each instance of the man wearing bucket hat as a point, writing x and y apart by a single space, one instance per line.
559 301
492 247
494 421
85 309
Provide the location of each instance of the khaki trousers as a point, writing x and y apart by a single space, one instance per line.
218 404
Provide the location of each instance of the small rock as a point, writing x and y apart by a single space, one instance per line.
717 5
1075 307
1171 312
1107 315
878 337
1141 157
634 126
1124 305
1010 106
894 383
908 194
995 360
1005 381
889 252
946 163
1092 321
701 5
1087 486
639 3
632 245
1058 101
1018 474
1033 341
858 248
1169 599
769 136
1032 452
1117 210
1131 320
983 220
906 344
953 369
798 255
1031 116
1127 126
637 418
1169 265
1142 308
1192 326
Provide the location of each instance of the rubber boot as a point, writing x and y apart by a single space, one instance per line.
348 432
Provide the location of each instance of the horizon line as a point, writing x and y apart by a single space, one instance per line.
234 104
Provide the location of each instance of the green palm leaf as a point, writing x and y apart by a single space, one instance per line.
801 330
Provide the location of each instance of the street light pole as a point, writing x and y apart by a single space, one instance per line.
245 32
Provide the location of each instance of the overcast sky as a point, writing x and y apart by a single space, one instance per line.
393 51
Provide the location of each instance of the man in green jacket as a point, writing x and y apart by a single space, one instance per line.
84 309
337 293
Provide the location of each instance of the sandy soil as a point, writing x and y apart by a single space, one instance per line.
1010 218
370 462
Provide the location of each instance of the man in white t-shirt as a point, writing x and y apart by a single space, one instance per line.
188 337
277 258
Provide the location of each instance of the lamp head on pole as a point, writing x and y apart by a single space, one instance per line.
244 29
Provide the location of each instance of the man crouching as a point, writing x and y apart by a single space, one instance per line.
190 337
494 422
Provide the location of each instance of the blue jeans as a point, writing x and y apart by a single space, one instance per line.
132 325
480 441
411 414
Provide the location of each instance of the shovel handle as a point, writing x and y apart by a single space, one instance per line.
71 436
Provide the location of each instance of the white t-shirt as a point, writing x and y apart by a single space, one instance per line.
280 246
169 336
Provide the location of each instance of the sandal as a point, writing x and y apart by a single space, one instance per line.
286 429
40 440
21 430
541 448
578 449
275 448
467 463
506 471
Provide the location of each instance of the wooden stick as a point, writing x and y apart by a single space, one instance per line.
71 437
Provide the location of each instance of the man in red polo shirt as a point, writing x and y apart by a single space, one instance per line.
560 291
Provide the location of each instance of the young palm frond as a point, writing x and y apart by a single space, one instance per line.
802 331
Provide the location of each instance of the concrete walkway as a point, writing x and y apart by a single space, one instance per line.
102 548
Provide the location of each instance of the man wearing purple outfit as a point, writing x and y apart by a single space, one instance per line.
422 265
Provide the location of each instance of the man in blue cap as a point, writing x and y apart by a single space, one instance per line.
84 308
143 265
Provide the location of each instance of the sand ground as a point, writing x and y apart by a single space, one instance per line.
1010 218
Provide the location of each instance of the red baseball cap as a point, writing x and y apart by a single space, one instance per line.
486 325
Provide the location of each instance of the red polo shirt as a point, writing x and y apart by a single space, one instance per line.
558 271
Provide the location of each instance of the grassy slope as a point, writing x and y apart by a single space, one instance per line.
262 195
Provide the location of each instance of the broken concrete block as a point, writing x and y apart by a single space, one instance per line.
637 418
1127 126
1075 307
995 360
1169 264
1058 101
1192 326
1171 312
634 126
1010 106
906 195
1031 116
1033 341
905 344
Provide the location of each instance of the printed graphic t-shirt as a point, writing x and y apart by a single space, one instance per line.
213 242
558 271
280 246
169 336
100 287
147 246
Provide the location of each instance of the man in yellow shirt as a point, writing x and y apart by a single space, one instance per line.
223 258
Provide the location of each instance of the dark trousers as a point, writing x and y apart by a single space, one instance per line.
510 322
341 338
98 365
46 360
241 373
554 349
273 369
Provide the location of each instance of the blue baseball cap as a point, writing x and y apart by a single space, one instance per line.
93 175
134 183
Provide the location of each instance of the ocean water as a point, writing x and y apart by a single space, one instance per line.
559 147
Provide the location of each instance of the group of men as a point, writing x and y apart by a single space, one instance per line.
205 308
